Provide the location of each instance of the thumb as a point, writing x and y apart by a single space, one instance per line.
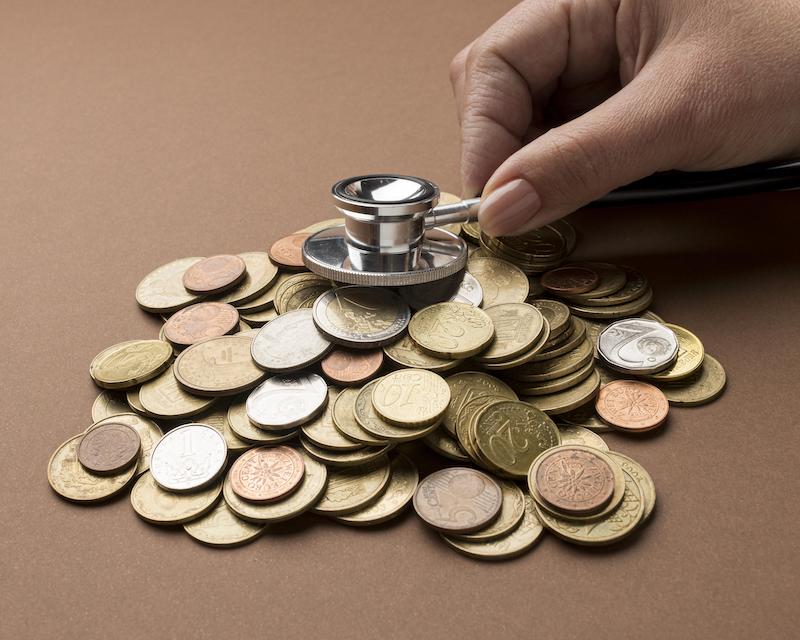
634 133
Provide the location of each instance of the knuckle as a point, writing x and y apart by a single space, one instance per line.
458 64
578 160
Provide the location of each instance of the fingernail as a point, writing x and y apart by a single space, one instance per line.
508 207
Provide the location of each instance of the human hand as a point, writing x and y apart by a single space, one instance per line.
562 101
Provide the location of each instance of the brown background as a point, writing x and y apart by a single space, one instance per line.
133 133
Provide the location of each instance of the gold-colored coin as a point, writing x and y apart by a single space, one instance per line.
163 397
322 432
70 480
149 435
162 290
466 415
556 313
471 231
512 434
558 384
402 484
445 445
517 327
411 397
350 490
311 488
109 403
524 358
130 363
510 545
344 459
570 340
408 353
266 300
259 318
217 419
501 281
635 285
218 367
132 398
701 387
468 385
451 330
372 423
583 436
241 426
544 370
261 273
158 506
586 417
344 419
643 479
323 224
569 399
221 527
288 285
632 308
304 295
511 514
690 356
612 279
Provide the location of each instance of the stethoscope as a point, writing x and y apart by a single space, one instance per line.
392 233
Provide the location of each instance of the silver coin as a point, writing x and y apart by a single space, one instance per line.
361 317
188 458
469 291
637 346
289 342
286 401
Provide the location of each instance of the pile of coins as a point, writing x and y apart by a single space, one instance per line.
272 392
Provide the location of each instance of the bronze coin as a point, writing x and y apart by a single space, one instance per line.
267 473
570 280
215 274
288 252
458 500
109 448
200 321
575 481
631 405
351 366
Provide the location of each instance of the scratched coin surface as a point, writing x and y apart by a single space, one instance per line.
411 397
458 500
288 251
517 326
267 473
260 275
361 317
574 480
638 346
351 366
512 511
701 387
570 279
221 527
407 353
451 330
162 290
500 281
158 506
200 321
214 274
218 366
352 489
631 405
287 401
109 449
690 356
290 342
467 386
164 398
188 457
127 364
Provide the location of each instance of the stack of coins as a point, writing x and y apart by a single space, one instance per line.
272 392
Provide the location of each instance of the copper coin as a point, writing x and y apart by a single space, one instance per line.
458 500
350 366
109 448
575 481
288 252
266 474
570 280
200 321
215 274
631 405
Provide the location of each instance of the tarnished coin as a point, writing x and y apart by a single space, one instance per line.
517 327
468 385
558 384
511 514
469 291
569 399
510 545
398 493
466 416
288 251
352 489
569 340
574 480
109 403
300 291
572 434
130 363
570 280
267 473
221 527
638 346
157 506
445 445
408 353
342 459
214 275
612 279
149 434
458 500
290 342
311 488
375 425
240 425
109 449
361 317
642 478
631 405
690 356
702 387
261 273
162 290
323 432
552 368
344 419
636 285
350 366
218 367
188 458
200 321
451 330
585 417
636 307
411 397
163 397
500 281
523 358
287 401
556 313
512 434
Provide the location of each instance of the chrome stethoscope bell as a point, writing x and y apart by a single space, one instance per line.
389 236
